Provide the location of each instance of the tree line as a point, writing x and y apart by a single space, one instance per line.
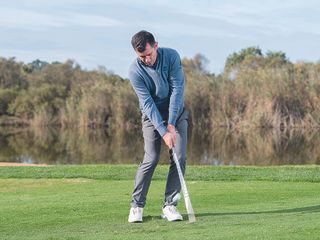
254 90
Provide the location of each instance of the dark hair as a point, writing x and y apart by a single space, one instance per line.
140 40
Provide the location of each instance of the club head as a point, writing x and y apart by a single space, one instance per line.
192 218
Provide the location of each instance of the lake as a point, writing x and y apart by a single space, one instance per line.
258 147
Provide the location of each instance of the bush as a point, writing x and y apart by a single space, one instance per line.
7 96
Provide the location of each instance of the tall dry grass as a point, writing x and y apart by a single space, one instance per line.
256 93
250 97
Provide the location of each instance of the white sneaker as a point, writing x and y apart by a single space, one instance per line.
135 214
171 213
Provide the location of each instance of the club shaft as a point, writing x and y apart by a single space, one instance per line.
187 200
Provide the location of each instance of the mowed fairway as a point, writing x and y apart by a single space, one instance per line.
84 208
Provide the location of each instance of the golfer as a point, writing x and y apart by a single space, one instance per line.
158 80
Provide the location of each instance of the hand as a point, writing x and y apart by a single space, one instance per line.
171 129
168 139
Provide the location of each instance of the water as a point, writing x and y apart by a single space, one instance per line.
75 146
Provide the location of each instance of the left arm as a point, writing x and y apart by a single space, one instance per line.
176 82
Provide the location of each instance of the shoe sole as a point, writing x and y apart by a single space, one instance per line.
173 220
134 221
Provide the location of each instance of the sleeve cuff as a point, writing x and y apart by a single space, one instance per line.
162 130
172 120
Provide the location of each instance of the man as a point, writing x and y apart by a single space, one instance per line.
158 80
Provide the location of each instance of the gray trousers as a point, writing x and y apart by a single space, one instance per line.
152 146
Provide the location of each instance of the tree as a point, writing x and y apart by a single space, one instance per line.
237 58
198 64
276 58
11 74
7 96
38 64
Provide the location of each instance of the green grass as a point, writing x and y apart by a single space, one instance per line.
92 202
310 173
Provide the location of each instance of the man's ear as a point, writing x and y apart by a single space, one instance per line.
155 45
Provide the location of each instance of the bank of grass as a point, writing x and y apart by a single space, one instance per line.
306 173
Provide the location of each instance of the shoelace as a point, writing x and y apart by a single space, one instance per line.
173 209
135 211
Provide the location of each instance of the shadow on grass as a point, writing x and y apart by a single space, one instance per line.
309 209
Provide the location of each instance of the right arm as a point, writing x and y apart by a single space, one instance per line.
149 108
146 102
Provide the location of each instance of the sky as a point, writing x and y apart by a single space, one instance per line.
97 33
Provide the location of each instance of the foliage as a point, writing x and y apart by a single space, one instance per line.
11 74
7 96
255 90
237 58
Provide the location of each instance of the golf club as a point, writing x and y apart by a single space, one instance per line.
187 200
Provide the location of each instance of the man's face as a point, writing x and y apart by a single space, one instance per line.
149 56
